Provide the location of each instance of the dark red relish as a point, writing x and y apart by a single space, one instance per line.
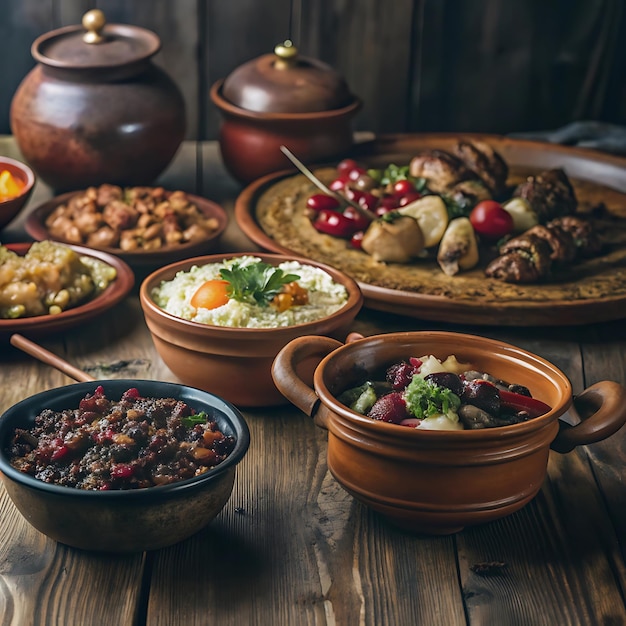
132 443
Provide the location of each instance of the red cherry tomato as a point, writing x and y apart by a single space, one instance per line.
382 210
356 241
402 187
353 194
319 201
368 201
389 202
490 220
356 173
360 222
335 224
339 184
409 197
346 166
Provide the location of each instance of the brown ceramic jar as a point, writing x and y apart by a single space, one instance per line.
95 109
282 99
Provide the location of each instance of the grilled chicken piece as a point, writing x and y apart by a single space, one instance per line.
468 193
441 170
561 242
485 162
550 194
586 240
394 238
523 259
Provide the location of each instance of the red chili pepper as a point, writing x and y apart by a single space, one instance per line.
60 453
519 402
122 470
335 224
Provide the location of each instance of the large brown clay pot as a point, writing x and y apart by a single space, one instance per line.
439 481
95 109
282 99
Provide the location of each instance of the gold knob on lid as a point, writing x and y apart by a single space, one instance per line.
286 54
93 23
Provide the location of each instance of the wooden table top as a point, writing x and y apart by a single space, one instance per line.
291 547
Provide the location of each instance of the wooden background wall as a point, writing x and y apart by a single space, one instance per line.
418 65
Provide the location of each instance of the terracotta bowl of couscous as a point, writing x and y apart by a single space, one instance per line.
218 321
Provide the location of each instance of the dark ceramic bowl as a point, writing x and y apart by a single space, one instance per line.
436 481
234 362
46 324
122 521
9 209
142 261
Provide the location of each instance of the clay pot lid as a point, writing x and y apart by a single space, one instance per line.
95 44
285 82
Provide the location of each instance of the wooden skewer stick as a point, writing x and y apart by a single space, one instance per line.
45 356
327 190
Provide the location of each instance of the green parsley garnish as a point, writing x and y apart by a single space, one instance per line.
425 398
191 420
393 173
257 283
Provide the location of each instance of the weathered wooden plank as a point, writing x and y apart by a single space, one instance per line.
236 32
605 359
371 46
22 21
541 545
42 582
292 547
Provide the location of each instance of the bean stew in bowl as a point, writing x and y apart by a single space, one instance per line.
121 465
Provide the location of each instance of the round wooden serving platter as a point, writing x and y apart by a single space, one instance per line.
270 212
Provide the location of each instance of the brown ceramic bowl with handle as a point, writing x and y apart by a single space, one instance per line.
235 362
438 482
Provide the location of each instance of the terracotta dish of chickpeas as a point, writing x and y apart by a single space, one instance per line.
143 225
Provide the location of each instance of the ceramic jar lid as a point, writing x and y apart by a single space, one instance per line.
285 82
95 45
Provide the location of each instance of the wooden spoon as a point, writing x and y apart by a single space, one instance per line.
45 356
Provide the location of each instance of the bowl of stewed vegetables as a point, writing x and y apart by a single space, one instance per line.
218 321
121 465
440 430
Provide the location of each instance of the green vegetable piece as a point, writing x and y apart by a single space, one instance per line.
191 420
365 401
425 398
257 283
362 398
393 173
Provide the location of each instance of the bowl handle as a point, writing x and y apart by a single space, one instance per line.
289 382
602 410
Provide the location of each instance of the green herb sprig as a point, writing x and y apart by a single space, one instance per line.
191 420
257 283
393 173
425 398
